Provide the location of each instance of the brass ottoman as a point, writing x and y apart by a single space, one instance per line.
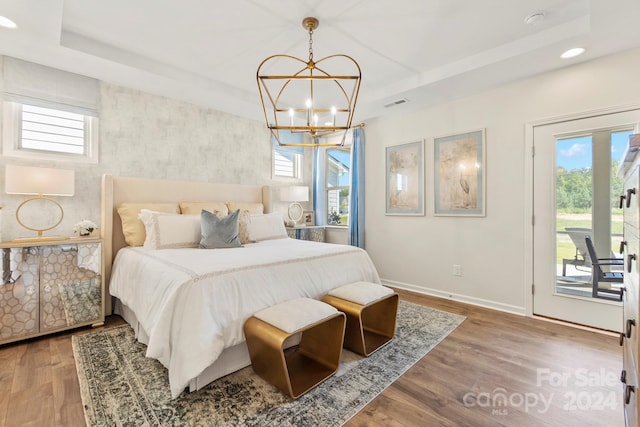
371 314
295 369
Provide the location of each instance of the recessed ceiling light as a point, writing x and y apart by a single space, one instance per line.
572 52
7 23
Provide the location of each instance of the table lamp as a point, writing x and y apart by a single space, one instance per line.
39 182
295 194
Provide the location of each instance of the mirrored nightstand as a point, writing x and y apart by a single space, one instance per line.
50 285
314 233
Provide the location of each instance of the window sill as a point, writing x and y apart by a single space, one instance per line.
337 227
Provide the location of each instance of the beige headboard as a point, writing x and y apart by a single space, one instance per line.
116 190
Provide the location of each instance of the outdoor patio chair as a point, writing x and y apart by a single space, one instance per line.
581 257
598 274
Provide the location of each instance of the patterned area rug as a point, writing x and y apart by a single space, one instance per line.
120 386
81 301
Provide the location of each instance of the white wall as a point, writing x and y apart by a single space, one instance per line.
419 252
151 136
144 135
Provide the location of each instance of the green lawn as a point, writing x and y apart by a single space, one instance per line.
566 248
562 223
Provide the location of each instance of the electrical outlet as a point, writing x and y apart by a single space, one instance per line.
457 270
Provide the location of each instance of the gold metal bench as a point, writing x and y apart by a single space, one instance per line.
272 339
371 315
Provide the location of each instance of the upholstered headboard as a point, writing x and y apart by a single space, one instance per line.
117 190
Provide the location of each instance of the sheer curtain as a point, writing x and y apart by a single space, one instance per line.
356 222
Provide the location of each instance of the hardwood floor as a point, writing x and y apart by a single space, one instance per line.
550 374
547 374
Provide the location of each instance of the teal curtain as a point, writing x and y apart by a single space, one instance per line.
356 222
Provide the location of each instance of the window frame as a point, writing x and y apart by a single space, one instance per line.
12 129
327 189
297 167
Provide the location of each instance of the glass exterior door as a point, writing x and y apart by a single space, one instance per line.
575 185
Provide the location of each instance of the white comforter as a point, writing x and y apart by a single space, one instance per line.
193 302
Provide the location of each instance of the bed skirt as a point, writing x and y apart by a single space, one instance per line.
230 360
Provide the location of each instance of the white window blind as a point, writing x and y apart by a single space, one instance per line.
35 84
49 113
52 130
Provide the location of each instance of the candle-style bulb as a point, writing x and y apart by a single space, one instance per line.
308 103
291 113
333 113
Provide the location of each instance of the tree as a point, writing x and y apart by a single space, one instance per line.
574 188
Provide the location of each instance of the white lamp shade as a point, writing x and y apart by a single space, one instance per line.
36 181
296 193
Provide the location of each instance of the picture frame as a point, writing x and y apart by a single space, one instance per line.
460 174
405 179
308 218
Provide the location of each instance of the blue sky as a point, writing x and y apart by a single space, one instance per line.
344 158
575 153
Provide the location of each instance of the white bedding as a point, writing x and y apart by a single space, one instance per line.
193 302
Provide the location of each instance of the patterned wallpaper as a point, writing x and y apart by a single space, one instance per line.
144 135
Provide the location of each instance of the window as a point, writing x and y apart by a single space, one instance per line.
48 133
287 160
586 172
337 185
48 114
286 163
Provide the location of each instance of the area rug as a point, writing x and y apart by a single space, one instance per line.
122 387
81 300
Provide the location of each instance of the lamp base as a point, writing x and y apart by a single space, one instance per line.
295 212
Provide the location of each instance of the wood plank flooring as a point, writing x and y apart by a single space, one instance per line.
544 374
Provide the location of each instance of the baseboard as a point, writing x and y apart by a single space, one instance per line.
507 308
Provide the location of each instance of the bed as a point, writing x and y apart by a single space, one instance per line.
188 305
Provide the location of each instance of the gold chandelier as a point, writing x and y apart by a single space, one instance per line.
301 96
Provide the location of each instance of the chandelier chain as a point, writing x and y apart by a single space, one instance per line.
310 44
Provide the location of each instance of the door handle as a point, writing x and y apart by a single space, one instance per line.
622 291
627 393
623 376
623 243
630 257
629 193
622 339
630 324
622 197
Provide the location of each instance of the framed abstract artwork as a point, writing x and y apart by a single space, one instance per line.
459 174
405 179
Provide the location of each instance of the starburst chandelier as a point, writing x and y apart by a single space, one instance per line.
313 97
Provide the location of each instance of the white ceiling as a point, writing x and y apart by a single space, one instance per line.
207 52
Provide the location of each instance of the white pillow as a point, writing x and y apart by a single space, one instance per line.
267 226
166 231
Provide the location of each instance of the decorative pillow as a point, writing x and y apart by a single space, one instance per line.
132 227
253 208
165 231
219 232
244 227
267 226
194 208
